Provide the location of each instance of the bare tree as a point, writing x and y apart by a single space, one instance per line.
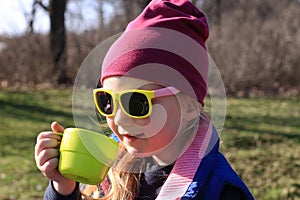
213 9
133 8
218 11
57 36
143 3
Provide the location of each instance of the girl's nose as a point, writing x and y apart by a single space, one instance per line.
121 119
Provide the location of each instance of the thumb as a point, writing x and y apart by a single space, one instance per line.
57 128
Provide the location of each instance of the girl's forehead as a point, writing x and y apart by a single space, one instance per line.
118 83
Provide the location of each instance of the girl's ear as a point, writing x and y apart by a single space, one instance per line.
191 108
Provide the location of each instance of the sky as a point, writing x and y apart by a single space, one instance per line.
14 16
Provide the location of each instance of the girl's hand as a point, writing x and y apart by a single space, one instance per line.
47 156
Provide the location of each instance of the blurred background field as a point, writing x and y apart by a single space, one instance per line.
255 45
261 139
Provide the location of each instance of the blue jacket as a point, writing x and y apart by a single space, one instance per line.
212 175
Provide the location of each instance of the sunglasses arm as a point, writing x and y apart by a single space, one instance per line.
166 91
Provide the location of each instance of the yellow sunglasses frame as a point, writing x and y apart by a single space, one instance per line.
150 94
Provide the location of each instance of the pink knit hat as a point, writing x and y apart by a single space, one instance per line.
164 44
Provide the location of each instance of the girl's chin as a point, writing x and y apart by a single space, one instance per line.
139 153
142 155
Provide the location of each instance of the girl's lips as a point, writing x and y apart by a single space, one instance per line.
131 138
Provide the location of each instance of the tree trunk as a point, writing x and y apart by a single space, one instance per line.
143 3
219 11
133 8
57 10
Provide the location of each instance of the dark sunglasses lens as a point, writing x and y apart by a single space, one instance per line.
135 104
105 103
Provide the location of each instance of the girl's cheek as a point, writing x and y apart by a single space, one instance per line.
111 125
142 122
154 123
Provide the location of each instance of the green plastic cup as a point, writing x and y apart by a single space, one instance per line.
86 156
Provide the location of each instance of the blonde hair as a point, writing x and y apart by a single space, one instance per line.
125 176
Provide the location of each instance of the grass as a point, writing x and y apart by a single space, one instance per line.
261 139
23 115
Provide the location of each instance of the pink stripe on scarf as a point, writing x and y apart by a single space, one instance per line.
186 166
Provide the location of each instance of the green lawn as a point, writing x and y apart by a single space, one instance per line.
23 115
261 139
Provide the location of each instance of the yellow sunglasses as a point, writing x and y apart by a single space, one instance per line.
135 103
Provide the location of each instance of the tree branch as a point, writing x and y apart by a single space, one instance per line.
42 5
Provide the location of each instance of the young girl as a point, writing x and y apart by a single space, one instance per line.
153 84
